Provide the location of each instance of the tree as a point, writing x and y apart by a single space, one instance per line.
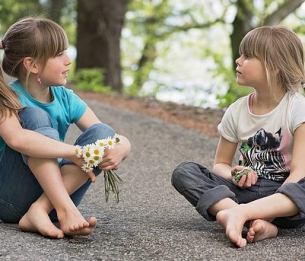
154 21
246 12
100 23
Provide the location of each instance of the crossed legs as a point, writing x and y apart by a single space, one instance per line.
258 212
58 185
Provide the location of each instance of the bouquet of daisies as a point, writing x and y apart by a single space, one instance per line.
93 155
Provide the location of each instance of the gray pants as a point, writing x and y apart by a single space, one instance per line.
202 188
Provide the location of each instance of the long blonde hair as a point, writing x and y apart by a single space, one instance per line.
37 38
9 102
279 49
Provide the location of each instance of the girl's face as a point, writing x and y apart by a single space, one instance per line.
55 72
250 72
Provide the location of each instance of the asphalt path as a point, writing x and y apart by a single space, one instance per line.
151 221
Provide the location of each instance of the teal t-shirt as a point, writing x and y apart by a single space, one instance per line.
65 109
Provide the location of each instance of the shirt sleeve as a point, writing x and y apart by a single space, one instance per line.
297 112
226 127
77 107
74 105
229 125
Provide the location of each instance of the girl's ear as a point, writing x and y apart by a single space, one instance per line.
277 70
29 65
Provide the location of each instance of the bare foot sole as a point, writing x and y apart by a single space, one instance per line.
38 221
233 225
83 229
260 230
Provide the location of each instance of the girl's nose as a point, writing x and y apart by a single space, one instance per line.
68 60
237 61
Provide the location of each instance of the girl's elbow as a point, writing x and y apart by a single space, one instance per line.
16 143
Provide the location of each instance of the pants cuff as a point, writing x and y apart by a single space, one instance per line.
211 197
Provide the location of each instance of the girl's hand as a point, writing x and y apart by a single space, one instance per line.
247 180
113 157
79 161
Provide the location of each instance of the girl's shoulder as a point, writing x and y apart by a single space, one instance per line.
62 91
296 99
240 103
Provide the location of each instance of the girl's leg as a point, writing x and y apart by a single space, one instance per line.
288 203
49 177
71 179
18 186
76 182
91 135
56 195
208 192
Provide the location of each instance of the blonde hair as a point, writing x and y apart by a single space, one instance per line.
280 50
37 38
9 102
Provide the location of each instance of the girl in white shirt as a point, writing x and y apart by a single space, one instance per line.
268 128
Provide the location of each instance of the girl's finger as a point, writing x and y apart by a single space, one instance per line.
91 176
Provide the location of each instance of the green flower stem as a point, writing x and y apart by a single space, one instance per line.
112 180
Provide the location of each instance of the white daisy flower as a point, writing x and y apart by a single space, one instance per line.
110 143
78 151
116 138
101 142
87 152
87 168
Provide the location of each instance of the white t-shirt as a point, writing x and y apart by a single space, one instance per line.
265 141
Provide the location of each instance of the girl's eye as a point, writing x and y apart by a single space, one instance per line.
246 56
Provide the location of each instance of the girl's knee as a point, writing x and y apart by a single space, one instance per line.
94 133
33 118
179 174
103 130
185 176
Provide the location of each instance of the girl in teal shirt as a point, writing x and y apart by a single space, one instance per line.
35 191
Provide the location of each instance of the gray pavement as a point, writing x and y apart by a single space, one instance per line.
152 221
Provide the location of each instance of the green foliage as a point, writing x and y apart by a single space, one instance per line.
91 80
151 26
236 91
13 10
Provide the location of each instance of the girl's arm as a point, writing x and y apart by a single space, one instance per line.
224 157
297 170
223 164
113 157
32 143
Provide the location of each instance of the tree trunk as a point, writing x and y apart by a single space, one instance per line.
55 9
100 23
241 25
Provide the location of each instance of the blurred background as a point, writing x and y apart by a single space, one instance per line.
181 51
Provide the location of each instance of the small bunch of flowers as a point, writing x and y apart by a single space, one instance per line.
238 174
93 155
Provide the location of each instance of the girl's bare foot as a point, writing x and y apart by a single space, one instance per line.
73 223
38 221
233 224
261 229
